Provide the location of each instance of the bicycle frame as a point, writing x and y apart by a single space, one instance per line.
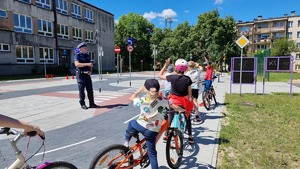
164 126
20 162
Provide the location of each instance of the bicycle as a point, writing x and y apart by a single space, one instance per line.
208 95
118 156
21 162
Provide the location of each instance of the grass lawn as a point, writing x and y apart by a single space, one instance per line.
260 131
279 77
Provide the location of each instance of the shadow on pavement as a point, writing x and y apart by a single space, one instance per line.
113 106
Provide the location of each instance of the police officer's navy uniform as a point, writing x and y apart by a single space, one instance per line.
84 79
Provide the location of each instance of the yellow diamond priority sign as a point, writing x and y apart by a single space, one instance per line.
242 41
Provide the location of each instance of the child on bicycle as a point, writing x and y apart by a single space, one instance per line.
194 73
209 73
150 119
181 92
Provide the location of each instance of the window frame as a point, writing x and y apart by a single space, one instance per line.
92 56
47 32
46 4
1 47
290 24
76 11
289 35
28 59
297 57
20 28
25 1
90 17
50 54
61 35
62 7
89 36
75 37
2 10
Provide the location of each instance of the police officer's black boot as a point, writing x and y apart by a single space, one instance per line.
93 105
83 106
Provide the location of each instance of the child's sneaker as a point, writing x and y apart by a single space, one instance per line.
126 144
197 118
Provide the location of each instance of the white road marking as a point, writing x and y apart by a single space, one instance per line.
65 146
131 119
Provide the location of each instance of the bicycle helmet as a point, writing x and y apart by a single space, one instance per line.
181 65
152 83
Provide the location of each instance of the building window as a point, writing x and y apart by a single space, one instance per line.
77 33
26 1
297 56
289 34
24 54
290 24
89 36
46 55
3 14
298 34
278 24
22 23
263 36
279 35
4 47
297 67
88 15
298 23
261 47
262 25
92 56
63 31
76 11
298 45
62 6
43 4
45 27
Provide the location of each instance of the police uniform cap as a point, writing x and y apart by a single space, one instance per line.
82 44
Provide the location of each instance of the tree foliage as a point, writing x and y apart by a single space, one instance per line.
283 47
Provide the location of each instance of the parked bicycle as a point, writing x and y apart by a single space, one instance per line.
118 156
21 162
208 96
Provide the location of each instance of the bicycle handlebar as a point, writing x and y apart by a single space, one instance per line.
8 131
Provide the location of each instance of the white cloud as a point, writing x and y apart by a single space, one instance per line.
166 13
219 1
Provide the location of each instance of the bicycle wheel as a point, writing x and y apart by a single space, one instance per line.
205 99
60 165
110 157
174 149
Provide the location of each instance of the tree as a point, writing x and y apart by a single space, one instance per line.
214 36
140 30
283 47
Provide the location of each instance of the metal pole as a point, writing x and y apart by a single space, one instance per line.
101 60
118 67
154 66
241 68
121 60
99 53
129 68
45 64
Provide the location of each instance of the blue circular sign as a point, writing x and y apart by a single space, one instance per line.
130 41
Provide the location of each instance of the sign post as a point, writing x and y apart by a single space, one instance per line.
242 42
154 54
129 49
117 50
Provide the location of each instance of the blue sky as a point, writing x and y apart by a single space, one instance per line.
189 10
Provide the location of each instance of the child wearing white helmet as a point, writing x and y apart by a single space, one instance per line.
181 92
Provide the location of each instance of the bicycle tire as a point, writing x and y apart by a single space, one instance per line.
170 145
60 165
205 100
213 93
103 155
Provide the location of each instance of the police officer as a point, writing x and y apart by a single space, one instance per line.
84 69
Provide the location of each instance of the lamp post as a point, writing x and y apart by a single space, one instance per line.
154 54
45 54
